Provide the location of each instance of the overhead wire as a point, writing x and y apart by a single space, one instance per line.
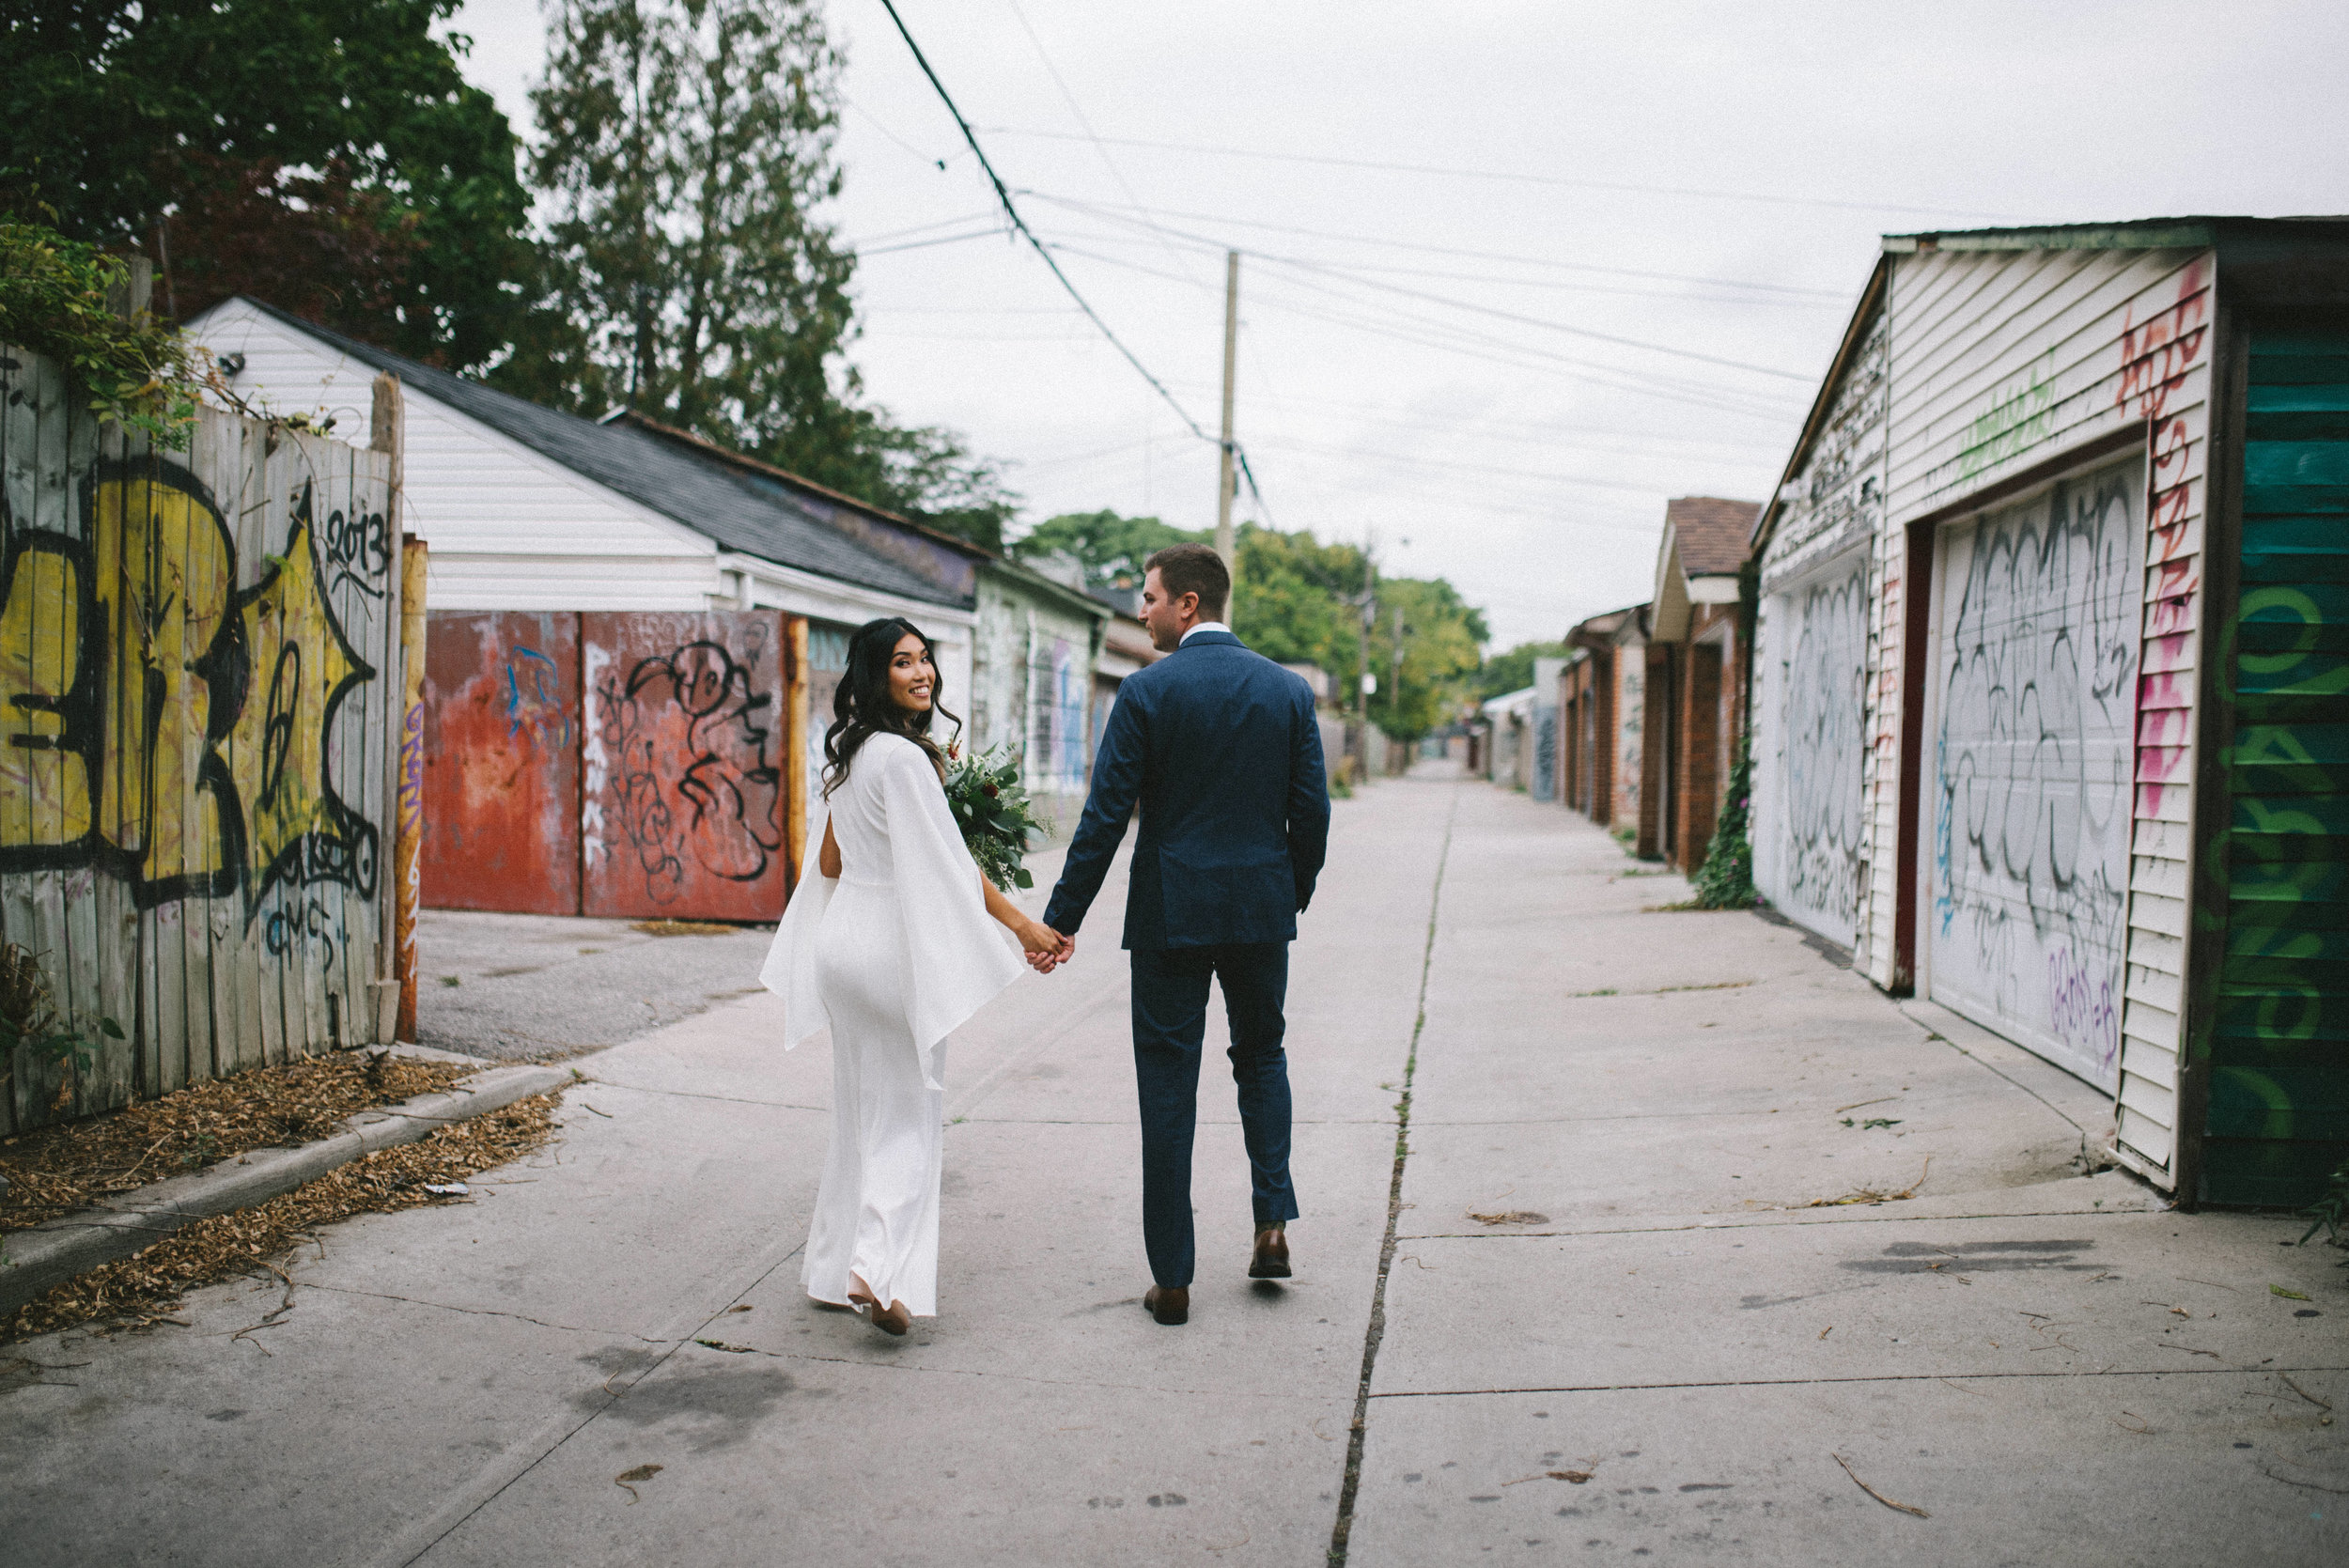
1550 262
1011 211
1488 348
1567 181
1077 112
1516 318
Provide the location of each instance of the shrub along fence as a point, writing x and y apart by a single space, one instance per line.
198 729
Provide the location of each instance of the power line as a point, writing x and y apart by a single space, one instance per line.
1110 209
1477 345
1793 299
1069 97
1003 195
1513 177
1481 310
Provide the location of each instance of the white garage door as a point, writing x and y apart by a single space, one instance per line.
1808 860
2037 616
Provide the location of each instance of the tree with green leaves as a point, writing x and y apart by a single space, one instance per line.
1112 548
1296 601
1442 639
1513 671
324 155
688 148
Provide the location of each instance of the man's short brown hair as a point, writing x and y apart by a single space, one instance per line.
1193 569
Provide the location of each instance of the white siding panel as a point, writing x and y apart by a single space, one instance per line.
2163 991
471 492
2001 361
2149 1138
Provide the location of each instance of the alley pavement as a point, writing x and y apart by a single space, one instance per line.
1593 1269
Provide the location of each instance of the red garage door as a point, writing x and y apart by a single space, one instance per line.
501 762
685 737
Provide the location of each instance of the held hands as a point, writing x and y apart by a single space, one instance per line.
1046 949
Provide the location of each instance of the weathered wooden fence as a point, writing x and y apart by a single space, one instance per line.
196 696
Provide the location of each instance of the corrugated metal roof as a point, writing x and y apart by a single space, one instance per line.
732 508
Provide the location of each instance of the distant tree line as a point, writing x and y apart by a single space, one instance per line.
664 243
328 156
1297 600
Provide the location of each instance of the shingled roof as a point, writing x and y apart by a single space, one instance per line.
735 510
1711 534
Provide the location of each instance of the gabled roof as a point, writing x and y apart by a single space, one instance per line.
735 510
1710 534
1599 631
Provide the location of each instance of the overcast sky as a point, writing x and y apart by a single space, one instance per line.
1494 252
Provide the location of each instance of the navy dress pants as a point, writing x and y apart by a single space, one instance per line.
1170 1004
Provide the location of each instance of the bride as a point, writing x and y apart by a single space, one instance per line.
890 947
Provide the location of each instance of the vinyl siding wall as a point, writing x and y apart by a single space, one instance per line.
1816 625
509 529
2000 361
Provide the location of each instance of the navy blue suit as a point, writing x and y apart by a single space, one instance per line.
1218 747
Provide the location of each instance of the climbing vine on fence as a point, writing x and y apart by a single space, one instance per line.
1725 881
133 369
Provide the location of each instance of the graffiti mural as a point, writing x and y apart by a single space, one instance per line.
2036 668
1057 682
1813 868
2276 1037
1632 709
683 809
194 741
163 725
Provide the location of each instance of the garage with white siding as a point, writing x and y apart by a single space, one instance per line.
2028 472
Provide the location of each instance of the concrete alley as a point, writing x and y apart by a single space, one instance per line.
1693 1248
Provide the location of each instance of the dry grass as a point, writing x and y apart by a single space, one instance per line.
685 928
141 1288
55 1171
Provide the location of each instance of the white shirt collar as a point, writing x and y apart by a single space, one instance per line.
1204 625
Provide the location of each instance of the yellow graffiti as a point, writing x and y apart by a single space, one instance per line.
299 667
159 722
44 782
166 574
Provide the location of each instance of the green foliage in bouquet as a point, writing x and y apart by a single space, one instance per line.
990 806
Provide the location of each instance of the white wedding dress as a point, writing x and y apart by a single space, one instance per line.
893 956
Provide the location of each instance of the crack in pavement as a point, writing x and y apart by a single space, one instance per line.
1010 1376
1342 1530
697 1094
1823 1382
411 1546
480 1311
1832 1218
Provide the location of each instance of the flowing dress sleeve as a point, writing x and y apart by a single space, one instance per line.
790 968
957 957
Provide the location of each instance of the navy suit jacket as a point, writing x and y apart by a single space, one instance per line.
1219 748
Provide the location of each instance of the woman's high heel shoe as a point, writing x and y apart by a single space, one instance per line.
892 1320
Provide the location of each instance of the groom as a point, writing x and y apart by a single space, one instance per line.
1219 748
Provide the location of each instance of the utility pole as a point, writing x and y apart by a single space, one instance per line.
1230 362
1394 696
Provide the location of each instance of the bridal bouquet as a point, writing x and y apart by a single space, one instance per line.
990 806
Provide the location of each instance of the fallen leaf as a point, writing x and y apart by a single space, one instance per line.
642 1473
1576 1477
1510 1217
2287 1294
729 1349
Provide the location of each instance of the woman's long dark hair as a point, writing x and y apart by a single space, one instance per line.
862 707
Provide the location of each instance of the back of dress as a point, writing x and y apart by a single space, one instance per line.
897 841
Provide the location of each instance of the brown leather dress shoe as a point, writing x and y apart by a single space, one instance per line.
1271 1260
1169 1305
